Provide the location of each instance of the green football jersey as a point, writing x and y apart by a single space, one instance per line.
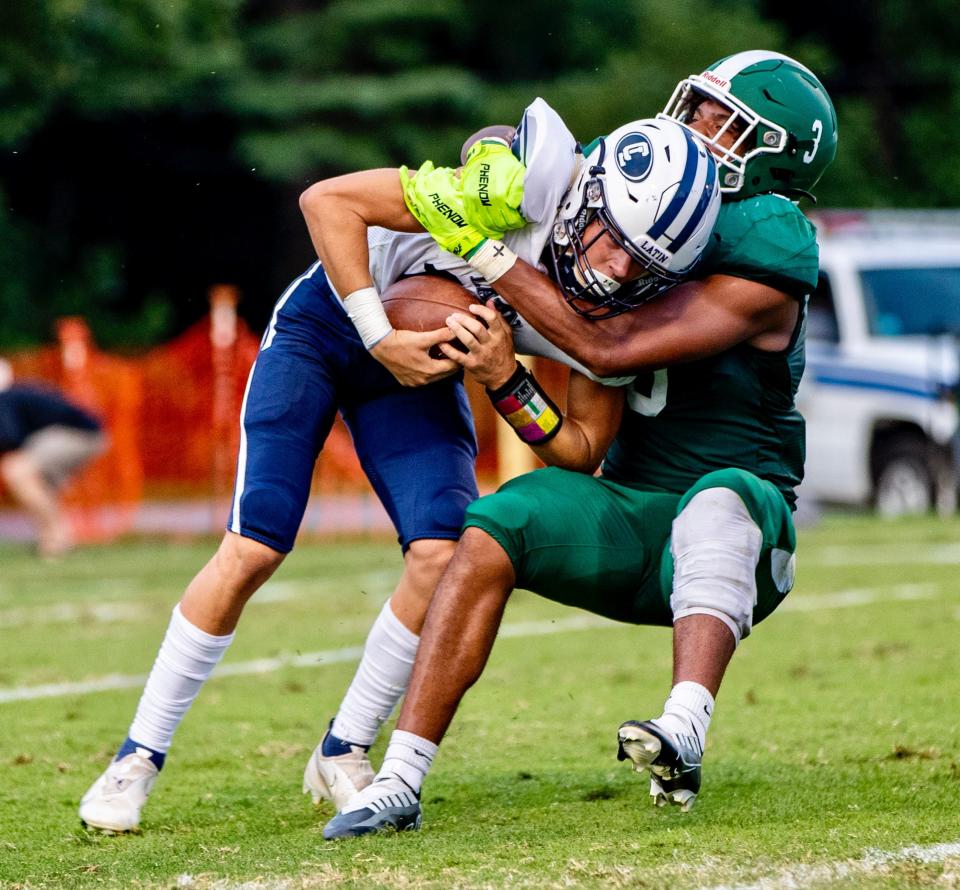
766 239
735 409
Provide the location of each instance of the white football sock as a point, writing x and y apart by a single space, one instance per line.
688 709
409 757
380 680
186 658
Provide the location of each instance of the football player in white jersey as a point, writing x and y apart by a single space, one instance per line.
625 229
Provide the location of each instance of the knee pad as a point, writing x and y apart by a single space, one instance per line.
716 546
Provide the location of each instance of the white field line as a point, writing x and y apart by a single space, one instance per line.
859 596
71 613
873 863
268 665
375 583
890 554
838 600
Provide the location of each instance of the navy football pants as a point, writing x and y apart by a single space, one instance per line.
416 445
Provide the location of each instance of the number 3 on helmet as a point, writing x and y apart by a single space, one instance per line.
653 189
786 122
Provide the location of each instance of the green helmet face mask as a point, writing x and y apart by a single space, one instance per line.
784 123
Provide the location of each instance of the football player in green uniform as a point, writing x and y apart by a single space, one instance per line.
689 525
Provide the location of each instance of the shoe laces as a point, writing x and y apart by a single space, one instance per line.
123 773
382 792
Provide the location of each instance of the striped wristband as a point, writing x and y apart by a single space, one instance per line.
527 408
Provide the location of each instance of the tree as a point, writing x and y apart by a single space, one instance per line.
149 148
897 91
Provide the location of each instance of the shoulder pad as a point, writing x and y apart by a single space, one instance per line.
764 238
546 147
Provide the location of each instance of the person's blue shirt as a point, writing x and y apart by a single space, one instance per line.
25 410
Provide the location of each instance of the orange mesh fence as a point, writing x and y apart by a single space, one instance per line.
193 389
172 418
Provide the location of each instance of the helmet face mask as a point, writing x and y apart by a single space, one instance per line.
652 189
593 293
753 134
787 124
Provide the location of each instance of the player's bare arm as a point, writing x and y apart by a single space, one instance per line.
338 213
593 410
692 320
590 422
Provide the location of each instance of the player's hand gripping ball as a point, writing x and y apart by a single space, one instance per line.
433 196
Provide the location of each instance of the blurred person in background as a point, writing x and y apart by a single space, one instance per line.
45 440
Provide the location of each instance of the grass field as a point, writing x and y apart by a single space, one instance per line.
832 759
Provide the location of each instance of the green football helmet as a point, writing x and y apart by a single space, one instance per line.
786 122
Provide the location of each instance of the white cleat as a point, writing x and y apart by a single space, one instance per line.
673 761
114 801
337 778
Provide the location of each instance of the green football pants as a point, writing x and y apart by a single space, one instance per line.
595 544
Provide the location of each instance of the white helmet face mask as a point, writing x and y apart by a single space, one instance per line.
774 112
652 188
733 158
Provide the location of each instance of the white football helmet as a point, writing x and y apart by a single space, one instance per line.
653 188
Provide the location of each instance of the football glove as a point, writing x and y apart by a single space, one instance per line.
492 185
433 196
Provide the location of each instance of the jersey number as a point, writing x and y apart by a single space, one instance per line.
817 136
648 395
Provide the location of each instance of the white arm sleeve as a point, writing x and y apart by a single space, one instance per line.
548 150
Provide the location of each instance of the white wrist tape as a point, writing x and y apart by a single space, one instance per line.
492 259
368 316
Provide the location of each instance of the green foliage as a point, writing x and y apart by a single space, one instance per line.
892 70
19 260
300 91
99 57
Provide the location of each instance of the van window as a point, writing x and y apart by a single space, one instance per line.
912 301
821 314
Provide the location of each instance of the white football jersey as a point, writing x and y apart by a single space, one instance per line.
549 152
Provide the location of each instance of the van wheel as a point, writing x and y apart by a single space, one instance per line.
904 483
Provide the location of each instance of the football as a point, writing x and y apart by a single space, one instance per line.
423 302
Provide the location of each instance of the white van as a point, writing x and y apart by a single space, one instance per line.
883 373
